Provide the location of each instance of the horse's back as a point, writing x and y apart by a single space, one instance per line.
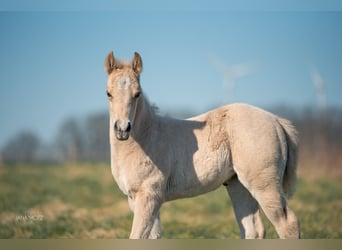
244 128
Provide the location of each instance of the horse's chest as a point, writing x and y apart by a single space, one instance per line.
122 171
130 173
119 177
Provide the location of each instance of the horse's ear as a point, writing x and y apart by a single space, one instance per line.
109 62
137 63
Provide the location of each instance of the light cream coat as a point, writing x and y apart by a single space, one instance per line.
154 159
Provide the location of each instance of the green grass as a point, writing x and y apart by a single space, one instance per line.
83 201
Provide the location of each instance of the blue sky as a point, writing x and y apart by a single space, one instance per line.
52 62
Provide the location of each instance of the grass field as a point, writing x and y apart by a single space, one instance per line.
83 201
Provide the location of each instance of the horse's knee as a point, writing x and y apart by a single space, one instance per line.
146 211
253 227
259 226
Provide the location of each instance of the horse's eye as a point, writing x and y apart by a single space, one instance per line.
109 94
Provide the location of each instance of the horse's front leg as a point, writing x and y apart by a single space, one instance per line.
146 215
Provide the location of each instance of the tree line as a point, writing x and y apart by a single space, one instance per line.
78 139
87 139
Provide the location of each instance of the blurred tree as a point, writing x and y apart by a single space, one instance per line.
21 149
97 134
70 140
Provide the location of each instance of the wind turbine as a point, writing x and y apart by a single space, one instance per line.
320 89
231 73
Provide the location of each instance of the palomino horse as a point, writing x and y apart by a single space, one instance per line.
155 159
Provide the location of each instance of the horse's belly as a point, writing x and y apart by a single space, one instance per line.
204 175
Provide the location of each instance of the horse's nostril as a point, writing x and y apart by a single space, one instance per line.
116 127
128 129
122 127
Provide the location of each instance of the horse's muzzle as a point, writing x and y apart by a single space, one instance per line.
122 130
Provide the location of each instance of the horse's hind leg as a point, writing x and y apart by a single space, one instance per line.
274 205
156 229
278 212
246 210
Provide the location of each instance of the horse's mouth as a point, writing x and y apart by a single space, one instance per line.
121 135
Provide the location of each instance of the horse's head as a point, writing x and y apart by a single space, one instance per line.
123 91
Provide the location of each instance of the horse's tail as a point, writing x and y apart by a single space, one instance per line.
290 176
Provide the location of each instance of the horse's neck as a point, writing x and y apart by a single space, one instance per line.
146 118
